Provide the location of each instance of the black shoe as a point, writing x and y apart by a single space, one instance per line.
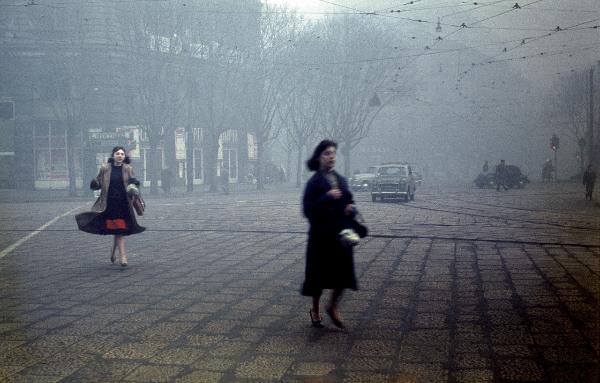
112 258
335 320
315 323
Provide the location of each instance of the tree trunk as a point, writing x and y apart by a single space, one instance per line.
242 155
260 184
210 168
346 153
299 168
581 154
288 166
152 162
170 159
71 158
189 159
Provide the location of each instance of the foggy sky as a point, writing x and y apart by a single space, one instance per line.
496 109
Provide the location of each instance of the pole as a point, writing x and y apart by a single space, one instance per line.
555 165
591 120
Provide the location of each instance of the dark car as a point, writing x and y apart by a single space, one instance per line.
364 181
514 178
485 180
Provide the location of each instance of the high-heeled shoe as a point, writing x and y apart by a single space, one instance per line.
336 321
315 322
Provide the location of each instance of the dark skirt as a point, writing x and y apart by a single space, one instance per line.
329 265
115 220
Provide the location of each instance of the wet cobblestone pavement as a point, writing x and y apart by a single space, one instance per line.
458 286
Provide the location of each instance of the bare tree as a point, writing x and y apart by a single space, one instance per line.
301 117
353 71
279 29
155 72
570 106
67 82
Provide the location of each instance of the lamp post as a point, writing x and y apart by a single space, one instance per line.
554 145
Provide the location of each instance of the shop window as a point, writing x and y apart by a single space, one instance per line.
50 152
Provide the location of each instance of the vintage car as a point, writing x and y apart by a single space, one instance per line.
514 178
363 181
485 180
394 181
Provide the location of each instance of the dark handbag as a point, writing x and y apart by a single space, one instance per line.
138 204
359 228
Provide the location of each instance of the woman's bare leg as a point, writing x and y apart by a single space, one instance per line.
121 244
114 249
336 295
315 305
332 307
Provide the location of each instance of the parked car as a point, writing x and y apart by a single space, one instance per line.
418 177
394 181
514 178
485 180
363 181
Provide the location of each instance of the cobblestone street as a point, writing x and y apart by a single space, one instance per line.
461 285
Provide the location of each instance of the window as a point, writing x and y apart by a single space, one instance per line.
50 152
393 171
7 110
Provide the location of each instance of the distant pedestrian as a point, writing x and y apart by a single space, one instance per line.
165 180
547 171
113 214
225 180
327 203
589 179
486 167
501 175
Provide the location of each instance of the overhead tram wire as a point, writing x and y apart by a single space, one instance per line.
463 26
533 39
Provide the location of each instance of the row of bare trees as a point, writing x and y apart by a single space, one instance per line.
210 67
575 114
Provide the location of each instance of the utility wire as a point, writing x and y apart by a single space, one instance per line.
537 38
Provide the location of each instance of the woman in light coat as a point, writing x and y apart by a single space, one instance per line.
113 213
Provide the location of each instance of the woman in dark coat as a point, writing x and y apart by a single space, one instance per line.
112 214
328 205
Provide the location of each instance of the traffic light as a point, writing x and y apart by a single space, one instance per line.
554 142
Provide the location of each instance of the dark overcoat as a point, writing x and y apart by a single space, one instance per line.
89 221
329 264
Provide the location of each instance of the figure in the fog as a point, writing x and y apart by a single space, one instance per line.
547 171
501 175
113 213
224 180
165 180
589 179
486 167
328 204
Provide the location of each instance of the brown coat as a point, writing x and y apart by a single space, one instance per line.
89 221
103 179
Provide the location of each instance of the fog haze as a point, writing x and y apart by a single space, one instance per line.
478 93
